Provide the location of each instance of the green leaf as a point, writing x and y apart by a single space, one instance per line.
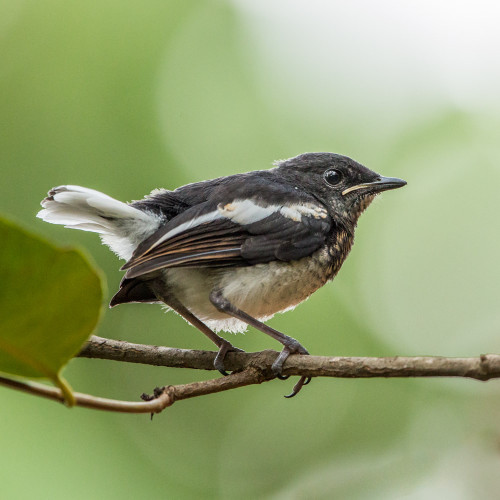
50 302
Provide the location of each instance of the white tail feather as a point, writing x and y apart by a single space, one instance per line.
121 226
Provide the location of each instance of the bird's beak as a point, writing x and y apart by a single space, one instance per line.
381 184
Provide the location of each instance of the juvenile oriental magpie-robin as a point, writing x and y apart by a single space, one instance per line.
233 251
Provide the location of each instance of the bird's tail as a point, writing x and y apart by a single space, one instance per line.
82 208
121 226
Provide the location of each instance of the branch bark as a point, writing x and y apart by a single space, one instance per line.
251 368
483 367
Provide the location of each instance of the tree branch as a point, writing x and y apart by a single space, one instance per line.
484 367
164 397
251 368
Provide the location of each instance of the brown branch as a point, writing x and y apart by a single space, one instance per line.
252 368
165 397
484 367
88 401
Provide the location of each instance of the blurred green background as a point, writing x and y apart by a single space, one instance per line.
125 96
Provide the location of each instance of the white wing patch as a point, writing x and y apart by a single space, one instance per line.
246 212
295 212
240 211
209 217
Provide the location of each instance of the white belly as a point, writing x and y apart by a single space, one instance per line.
261 290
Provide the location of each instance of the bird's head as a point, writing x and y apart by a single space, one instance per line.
344 186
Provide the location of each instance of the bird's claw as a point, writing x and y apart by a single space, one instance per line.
277 367
221 355
298 386
292 348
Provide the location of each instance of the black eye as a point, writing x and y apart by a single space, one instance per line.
332 177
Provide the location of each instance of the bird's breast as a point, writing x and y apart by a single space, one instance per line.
265 289
338 247
260 290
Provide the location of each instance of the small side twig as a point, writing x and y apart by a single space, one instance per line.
166 397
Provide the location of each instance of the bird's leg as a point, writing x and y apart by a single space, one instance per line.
290 345
223 345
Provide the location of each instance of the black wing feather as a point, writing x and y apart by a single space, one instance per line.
222 242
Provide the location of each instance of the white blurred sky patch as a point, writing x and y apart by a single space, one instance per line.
380 53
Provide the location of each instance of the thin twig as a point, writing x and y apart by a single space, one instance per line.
167 396
88 401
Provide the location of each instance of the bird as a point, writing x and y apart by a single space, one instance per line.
233 251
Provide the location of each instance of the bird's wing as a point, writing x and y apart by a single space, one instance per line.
237 233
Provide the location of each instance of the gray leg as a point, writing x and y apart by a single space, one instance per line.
290 345
223 345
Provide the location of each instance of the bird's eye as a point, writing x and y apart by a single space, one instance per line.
332 177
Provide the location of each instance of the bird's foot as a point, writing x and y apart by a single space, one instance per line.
292 347
224 348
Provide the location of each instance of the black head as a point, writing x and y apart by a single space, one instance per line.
340 183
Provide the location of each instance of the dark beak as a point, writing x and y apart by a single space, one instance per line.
381 184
